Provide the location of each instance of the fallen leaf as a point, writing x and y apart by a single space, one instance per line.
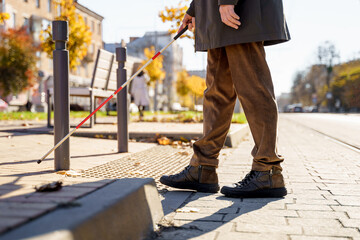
164 141
49 187
184 139
184 153
187 210
136 173
69 173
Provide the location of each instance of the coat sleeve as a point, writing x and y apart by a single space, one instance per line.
228 2
191 9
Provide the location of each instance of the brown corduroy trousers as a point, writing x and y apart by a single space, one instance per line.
239 71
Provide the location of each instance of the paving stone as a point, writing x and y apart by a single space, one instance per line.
250 236
313 222
21 212
352 212
292 237
205 225
199 216
181 234
298 206
322 214
263 228
256 218
351 223
317 202
331 232
278 213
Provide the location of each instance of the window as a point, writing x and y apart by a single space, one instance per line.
99 28
38 3
27 24
59 11
92 26
14 19
38 62
49 6
25 0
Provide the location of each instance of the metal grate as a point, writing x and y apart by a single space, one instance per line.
153 162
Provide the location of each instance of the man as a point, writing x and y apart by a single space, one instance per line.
234 33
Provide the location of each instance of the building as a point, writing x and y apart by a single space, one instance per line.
173 57
36 15
283 101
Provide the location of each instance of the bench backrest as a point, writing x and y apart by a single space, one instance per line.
105 68
104 74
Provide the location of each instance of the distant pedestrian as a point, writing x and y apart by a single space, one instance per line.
234 33
140 93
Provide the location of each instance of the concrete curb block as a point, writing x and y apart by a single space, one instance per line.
125 209
235 137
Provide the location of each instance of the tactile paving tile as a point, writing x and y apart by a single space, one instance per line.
153 163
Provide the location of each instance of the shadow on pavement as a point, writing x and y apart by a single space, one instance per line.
199 227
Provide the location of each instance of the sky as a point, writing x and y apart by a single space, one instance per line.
311 23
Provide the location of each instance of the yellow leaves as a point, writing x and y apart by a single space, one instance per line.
175 15
154 70
79 33
4 17
185 84
196 85
164 141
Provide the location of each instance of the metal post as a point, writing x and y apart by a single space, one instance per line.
121 104
61 94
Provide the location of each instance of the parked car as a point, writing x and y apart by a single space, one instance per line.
3 106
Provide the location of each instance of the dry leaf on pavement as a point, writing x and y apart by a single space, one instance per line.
49 187
187 210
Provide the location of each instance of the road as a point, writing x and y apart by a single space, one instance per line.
342 127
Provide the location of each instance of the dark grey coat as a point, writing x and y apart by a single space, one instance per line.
261 20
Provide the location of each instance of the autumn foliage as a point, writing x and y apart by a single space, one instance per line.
155 69
189 88
175 15
4 17
17 61
79 34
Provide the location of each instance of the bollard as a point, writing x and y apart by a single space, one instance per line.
121 104
61 94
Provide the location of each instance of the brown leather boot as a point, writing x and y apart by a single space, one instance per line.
201 179
258 184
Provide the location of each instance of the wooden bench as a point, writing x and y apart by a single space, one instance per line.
103 83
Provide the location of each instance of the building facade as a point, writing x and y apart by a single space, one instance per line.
36 15
173 57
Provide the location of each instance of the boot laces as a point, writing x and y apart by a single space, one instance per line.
183 171
247 179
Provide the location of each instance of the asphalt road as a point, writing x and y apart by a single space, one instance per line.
343 127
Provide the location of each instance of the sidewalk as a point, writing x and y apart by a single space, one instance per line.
323 181
322 177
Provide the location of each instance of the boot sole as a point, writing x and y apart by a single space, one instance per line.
262 193
199 187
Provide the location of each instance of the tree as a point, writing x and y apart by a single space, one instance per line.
186 85
18 59
4 17
79 34
175 15
155 69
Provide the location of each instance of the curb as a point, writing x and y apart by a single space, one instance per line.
233 138
125 209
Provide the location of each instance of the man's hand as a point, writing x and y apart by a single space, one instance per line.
188 20
229 17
